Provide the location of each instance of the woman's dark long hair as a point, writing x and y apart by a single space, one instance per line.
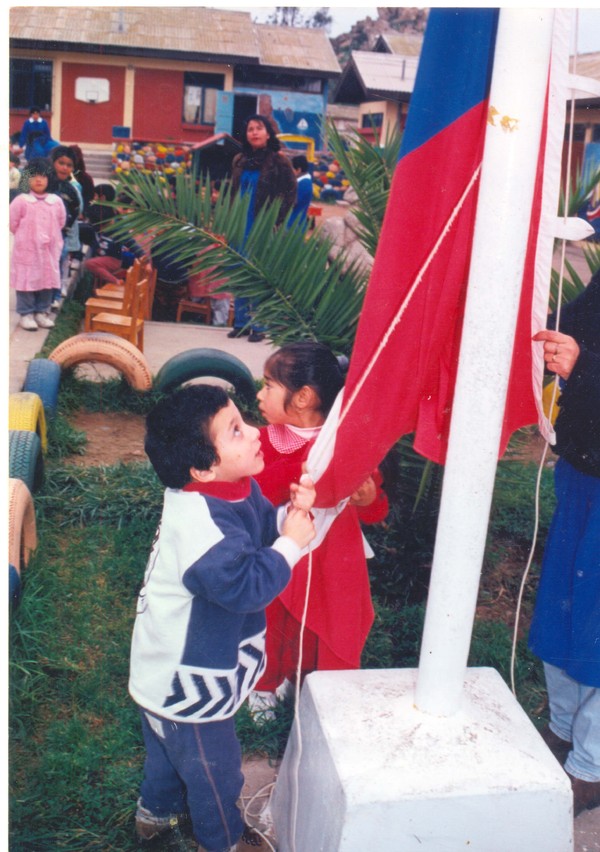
273 143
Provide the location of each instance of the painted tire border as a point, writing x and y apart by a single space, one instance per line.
22 533
196 363
108 349
43 378
25 459
26 412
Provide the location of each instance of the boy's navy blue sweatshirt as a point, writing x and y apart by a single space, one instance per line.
199 638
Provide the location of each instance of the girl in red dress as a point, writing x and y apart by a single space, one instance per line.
302 381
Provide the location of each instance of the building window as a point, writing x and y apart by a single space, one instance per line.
371 120
253 77
200 97
30 84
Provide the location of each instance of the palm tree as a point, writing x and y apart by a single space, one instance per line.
297 291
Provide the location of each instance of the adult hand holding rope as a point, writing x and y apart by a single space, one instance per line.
560 352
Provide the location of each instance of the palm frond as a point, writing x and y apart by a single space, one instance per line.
296 291
369 169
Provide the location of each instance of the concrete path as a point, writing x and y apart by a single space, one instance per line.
162 341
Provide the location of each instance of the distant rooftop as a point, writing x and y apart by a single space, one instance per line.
376 75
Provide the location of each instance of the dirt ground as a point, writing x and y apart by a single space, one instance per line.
112 437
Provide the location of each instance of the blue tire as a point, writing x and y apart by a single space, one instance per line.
25 459
14 585
43 378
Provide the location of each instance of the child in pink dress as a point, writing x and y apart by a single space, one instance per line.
36 220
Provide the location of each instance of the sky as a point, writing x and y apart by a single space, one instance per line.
346 15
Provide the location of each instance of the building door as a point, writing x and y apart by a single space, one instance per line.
244 105
224 117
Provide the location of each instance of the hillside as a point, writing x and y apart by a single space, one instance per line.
364 34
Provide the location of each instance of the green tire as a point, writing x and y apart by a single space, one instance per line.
25 458
196 363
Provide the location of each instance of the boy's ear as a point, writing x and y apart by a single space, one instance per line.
202 475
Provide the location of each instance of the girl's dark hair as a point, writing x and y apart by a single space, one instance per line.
79 160
38 166
178 433
307 363
273 142
63 151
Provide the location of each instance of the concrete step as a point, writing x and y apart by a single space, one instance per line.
98 164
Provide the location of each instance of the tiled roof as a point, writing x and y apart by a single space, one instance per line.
297 48
403 44
193 30
372 75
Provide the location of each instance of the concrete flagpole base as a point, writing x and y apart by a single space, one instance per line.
374 772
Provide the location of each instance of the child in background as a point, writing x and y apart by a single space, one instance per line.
110 256
36 221
302 381
14 175
199 635
63 160
304 192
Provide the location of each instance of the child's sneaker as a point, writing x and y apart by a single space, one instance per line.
148 826
44 321
250 839
28 322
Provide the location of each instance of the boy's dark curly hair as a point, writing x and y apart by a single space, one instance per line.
178 433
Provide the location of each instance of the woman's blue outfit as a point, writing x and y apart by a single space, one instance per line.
268 176
565 629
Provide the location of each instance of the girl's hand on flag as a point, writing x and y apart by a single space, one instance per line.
365 494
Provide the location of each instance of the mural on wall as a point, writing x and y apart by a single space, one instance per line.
291 112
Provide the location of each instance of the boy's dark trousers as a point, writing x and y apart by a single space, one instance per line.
195 767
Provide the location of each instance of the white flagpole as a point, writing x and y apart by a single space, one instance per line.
512 142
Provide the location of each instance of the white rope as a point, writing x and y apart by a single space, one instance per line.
555 388
295 782
266 788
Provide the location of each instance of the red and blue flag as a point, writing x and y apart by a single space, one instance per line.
404 362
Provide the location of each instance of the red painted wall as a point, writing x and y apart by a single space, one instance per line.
157 108
82 122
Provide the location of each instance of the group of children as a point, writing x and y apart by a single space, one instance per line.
219 615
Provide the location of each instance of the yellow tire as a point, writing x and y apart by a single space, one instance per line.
26 413
108 349
22 534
